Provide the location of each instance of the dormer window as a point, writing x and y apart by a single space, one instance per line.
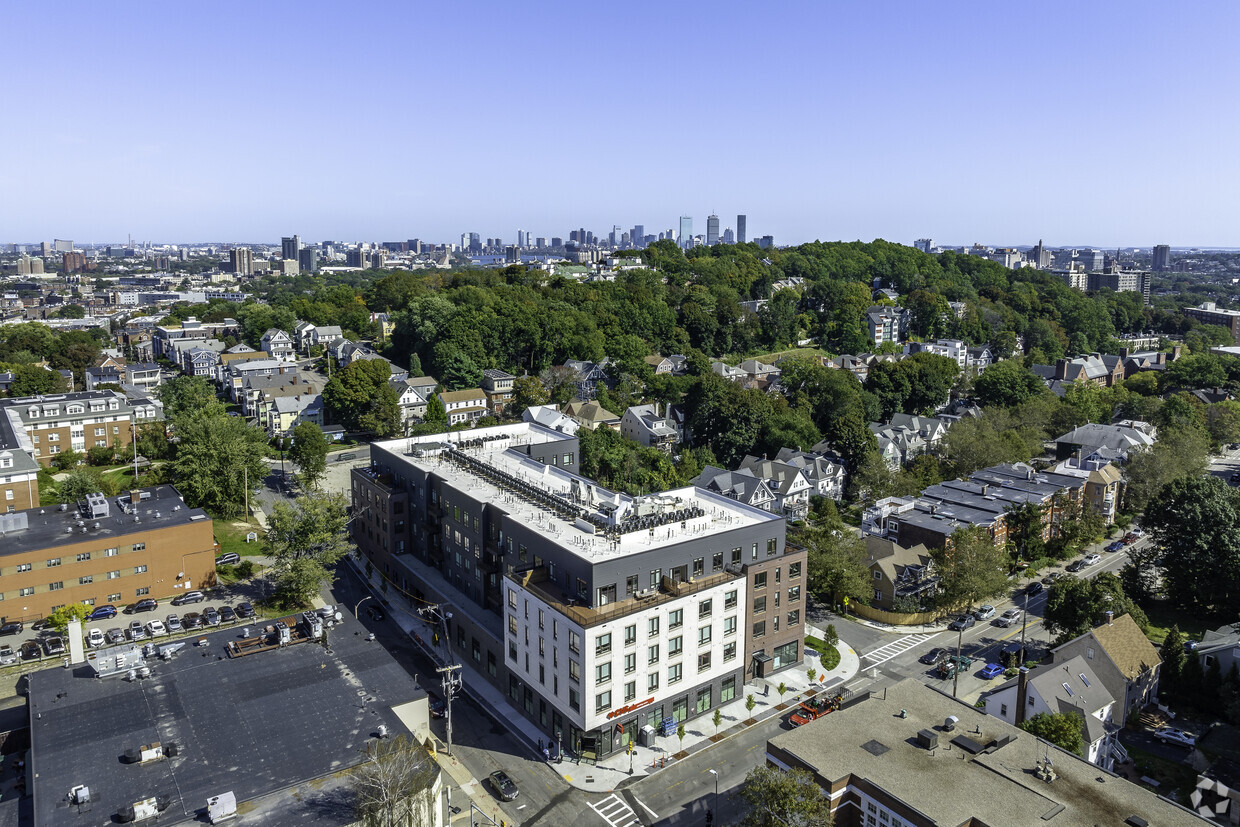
33 412
51 411
112 405
75 409
6 460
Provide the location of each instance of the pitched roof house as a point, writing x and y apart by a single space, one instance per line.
1123 657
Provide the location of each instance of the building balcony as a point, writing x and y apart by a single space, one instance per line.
537 582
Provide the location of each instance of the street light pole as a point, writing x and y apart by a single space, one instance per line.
715 808
359 604
1024 622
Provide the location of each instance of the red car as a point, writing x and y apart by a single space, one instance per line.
813 709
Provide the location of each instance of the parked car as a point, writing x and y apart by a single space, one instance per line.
7 655
245 610
137 631
191 620
156 628
188 597
146 604
1009 618
94 638
211 616
231 558
933 656
984 612
55 645
1138 533
227 615
115 636
346 457
1051 578
12 628
504 786
1034 588
961 623
103 612
1171 735
1129 538
174 624
436 704
990 671
1091 559
1076 565
42 625
31 650
1116 546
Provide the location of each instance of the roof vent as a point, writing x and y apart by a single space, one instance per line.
950 723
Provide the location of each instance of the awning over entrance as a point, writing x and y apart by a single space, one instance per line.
761 663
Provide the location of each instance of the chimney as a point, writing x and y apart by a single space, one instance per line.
1022 691
1110 617
1175 352
1061 369
135 496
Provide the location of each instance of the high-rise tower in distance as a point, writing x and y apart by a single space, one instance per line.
1162 258
740 229
712 230
290 248
686 231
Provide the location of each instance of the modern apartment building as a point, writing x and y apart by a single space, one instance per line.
597 613
45 426
144 543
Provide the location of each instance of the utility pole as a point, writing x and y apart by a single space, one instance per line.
1024 621
450 685
959 646
246 472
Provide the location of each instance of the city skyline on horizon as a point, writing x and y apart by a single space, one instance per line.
910 122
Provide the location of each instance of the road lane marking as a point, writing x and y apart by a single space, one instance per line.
615 812
894 649
653 814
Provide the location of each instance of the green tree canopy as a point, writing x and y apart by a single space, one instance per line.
1065 730
837 562
309 453
779 798
306 539
1006 384
355 398
189 396
219 461
1195 522
1076 605
971 568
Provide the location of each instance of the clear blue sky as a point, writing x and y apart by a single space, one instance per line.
1081 123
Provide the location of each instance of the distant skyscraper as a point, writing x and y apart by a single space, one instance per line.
1162 258
638 235
63 246
242 261
740 229
540 242
766 242
686 231
290 248
712 230
728 237
308 260
924 244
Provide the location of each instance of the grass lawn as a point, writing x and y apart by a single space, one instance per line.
231 537
830 655
1163 616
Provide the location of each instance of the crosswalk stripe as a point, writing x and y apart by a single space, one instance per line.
897 647
615 812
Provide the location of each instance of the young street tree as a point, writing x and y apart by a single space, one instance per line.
784 799
306 539
394 786
971 569
309 453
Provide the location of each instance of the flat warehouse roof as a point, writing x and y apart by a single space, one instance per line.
253 725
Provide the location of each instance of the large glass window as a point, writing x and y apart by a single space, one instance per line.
703 700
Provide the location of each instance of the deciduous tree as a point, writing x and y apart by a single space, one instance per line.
1065 730
219 461
779 798
392 786
971 568
306 539
309 453
1195 522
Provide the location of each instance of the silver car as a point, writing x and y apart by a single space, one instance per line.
985 612
1009 618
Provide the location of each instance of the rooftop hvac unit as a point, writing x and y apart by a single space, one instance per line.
950 723
928 738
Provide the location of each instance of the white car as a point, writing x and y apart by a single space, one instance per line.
94 638
1090 559
1171 735
1009 618
155 628
1138 533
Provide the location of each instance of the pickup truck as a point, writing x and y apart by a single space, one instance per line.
950 665
815 708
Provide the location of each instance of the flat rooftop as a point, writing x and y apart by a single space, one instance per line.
567 509
955 783
256 726
49 526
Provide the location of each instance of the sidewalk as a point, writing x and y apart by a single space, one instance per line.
607 774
